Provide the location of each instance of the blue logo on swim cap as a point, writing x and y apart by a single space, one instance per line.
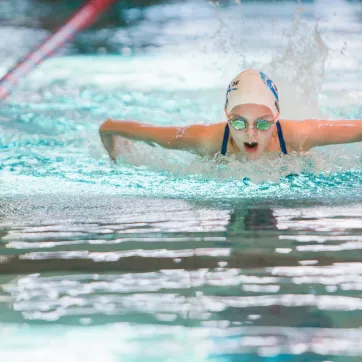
270 84
231 87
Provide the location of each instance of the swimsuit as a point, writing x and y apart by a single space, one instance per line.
280 136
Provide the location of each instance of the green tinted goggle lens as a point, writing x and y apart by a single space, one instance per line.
261 125
238 124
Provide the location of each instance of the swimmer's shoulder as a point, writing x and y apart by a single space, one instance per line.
212 136
294 133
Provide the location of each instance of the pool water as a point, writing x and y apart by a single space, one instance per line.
165 256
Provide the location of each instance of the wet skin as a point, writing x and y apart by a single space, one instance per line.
250 142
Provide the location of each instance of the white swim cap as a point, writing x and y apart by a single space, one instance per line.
252 86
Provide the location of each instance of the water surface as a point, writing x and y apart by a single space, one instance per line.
165 256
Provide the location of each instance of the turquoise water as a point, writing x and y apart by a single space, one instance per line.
165 256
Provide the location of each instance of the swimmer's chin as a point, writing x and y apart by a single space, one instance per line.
252 156
257 154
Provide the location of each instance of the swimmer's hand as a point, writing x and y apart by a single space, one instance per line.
115 145
109 144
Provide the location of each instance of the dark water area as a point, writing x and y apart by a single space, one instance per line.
47 15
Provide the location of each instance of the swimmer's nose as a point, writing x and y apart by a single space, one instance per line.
251 132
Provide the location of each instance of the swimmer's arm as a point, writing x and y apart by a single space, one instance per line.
190 138
314 133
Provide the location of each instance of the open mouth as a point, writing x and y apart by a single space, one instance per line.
251 146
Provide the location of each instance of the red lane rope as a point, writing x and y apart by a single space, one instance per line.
82 18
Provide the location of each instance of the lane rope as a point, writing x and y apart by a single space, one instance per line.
82 18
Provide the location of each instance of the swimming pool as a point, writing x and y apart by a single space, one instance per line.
165 256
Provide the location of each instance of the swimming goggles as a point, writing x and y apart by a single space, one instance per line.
240 124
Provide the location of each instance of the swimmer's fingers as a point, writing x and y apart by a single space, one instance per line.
116 145
109 145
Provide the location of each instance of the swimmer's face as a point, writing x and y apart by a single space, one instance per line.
250 141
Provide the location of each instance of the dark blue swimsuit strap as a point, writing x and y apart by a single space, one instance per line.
281 138
225 140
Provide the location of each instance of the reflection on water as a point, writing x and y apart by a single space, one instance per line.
243 279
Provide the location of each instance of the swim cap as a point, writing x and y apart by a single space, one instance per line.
252 86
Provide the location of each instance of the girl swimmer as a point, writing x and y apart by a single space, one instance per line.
252 129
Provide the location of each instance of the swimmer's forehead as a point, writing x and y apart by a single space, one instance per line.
251 112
